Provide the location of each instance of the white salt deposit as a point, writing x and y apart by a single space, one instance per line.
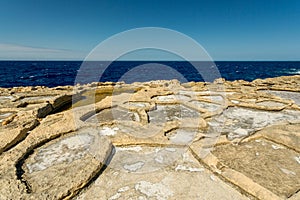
235 101
135 148
134 167
66 150
157 191
124 189
108 131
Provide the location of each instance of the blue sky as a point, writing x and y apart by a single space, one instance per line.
228 30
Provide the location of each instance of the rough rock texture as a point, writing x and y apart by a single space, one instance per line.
154 140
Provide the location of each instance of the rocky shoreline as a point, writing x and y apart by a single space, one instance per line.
154 140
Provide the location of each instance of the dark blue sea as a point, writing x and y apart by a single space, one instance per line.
60 73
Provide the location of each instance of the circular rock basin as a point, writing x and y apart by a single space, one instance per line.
63 151
65 164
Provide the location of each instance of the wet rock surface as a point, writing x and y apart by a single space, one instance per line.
154 140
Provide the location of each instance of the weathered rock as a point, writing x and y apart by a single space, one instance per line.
268 164
154 140
15 128
74 159
157 173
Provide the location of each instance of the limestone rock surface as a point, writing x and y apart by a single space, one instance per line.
154 140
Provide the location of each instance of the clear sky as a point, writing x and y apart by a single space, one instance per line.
227 29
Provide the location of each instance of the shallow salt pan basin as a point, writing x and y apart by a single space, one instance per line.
240 122
171 112
108 115
65 164
64 151
268 164
295 96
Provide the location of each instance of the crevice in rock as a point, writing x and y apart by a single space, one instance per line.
20 171
170 130
298 191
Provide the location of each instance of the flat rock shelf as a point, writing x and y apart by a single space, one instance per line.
153 140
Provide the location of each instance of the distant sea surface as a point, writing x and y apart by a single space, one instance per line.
60 73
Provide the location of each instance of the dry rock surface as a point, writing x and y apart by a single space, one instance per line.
155 140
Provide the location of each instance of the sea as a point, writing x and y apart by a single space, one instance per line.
61 73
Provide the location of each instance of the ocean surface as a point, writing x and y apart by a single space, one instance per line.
59 73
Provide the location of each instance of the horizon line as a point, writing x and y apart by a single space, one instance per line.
75 60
